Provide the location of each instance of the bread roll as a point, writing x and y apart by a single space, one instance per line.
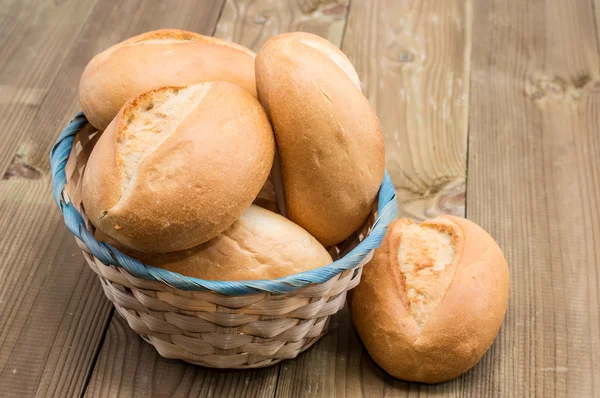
177 166
259 245
328 136
167 57
432 300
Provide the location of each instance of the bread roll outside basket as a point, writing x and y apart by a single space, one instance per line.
216 324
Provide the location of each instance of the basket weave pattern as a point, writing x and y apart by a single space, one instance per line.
205 326
213 330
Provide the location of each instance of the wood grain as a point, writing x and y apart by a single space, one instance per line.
52 310
53 313
252 23
534 169
35 39
413 60
60 102
336 366
526 88
596 6
129 367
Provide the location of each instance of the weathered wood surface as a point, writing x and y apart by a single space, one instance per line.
53 314
252 23
414 60
35 38
52 309
129 367
534 184
515 83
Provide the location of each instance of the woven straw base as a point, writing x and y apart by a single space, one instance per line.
218 331
211 329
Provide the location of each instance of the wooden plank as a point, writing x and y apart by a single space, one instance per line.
129 367
534 178
596 6
52 310
53 313
413 60
250 23
13 14
60 102
337 365
35 39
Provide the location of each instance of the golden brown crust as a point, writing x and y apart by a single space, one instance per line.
167 57
328 136
259 245
459 330
189 187
183 35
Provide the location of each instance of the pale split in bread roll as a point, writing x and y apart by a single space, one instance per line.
432 299
259 245
178 165
328 135
167 57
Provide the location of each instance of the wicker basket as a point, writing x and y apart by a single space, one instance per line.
211 323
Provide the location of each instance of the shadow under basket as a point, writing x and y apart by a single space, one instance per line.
240 324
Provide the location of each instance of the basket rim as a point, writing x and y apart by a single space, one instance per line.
59 154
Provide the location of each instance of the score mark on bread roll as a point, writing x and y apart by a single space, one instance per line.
328 135
178 165
167 57
432 299
426 256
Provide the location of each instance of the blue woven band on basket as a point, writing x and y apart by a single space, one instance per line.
109 255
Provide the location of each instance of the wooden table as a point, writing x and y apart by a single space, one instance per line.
490 109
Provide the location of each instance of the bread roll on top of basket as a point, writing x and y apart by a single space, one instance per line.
167 57
328 135
177 166
258 245
432 299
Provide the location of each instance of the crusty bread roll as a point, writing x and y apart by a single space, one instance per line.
167 57
432 300
328 136
178 165
259 245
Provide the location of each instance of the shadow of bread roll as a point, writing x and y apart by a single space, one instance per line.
259 245
167 57
328 135
432 300
267 198
178 165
